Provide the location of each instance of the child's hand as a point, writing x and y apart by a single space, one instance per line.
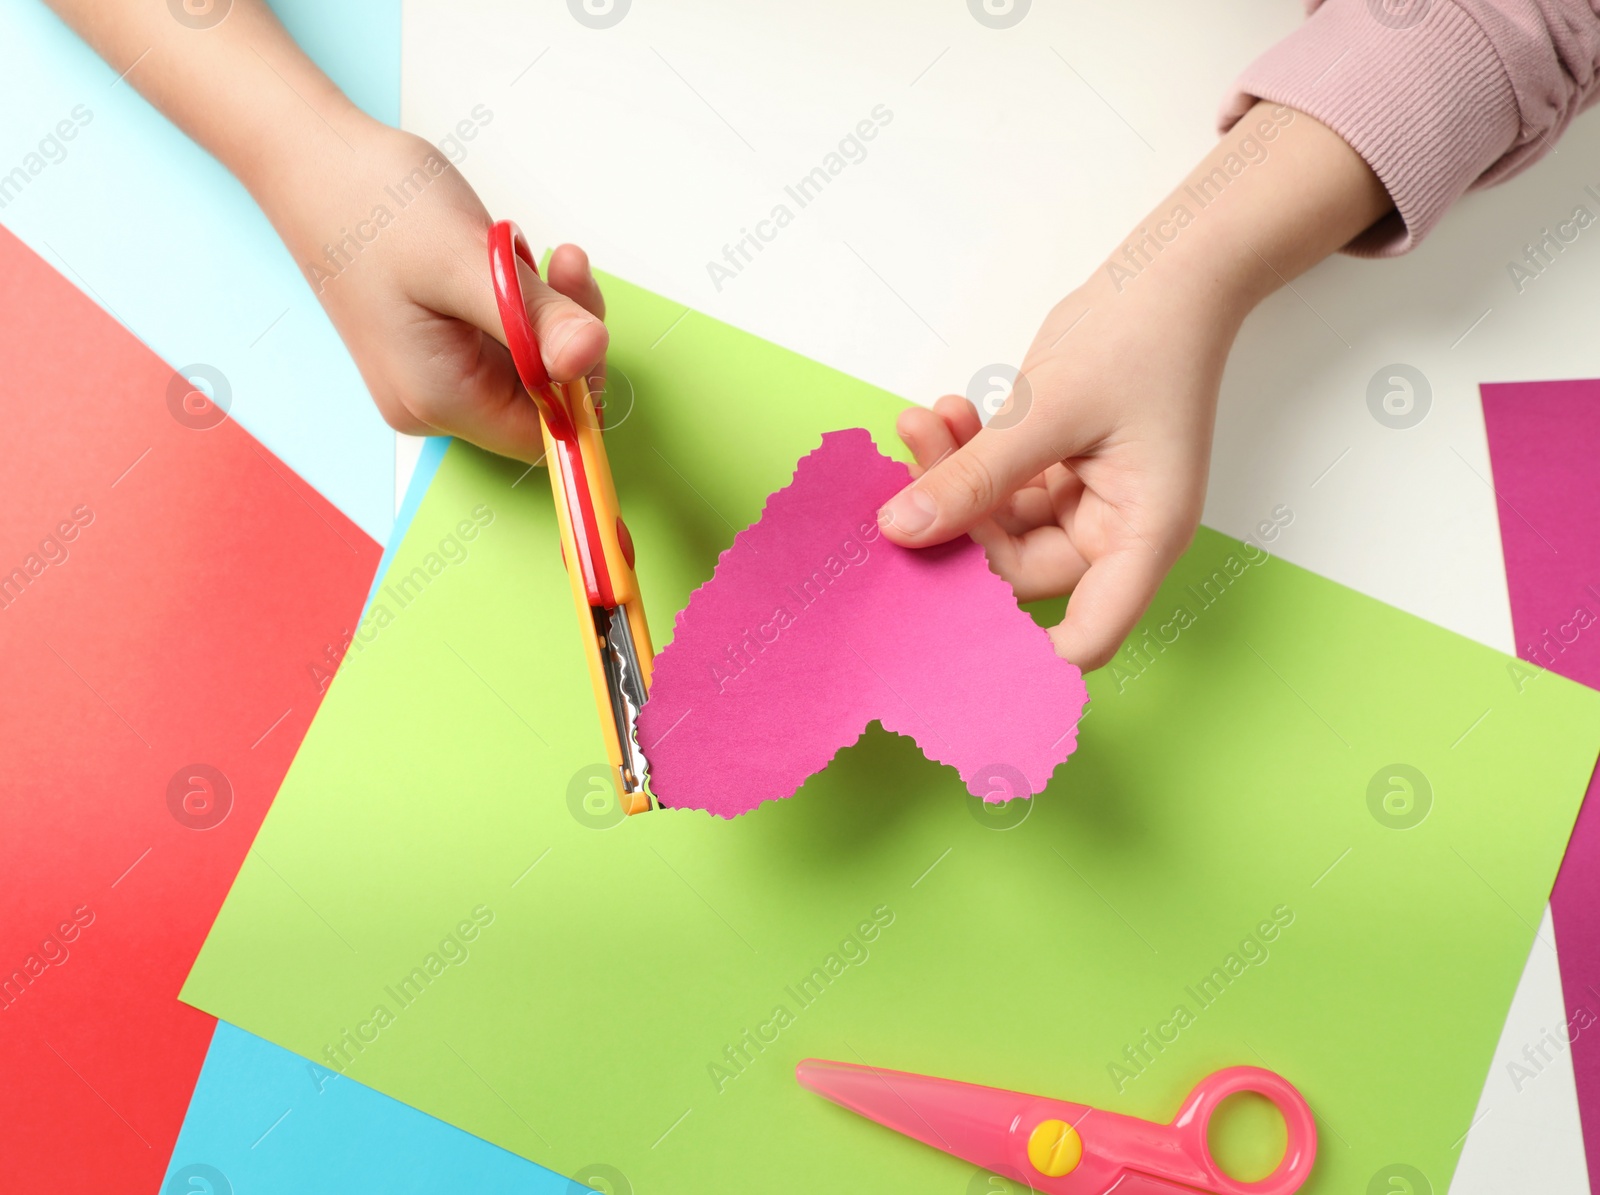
392 239
412 297
1091 479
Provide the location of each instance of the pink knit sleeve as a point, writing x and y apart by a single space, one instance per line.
1439 96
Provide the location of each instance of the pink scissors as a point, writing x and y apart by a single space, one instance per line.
1071 1149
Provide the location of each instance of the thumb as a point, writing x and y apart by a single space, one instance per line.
572 340
964 487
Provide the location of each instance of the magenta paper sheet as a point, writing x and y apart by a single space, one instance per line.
1544 445
814 625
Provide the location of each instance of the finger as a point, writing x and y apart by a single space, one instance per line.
962 489
490 408
962 417
572 340
1111 597
1048 499
932 435
1026 509
1041 563
571 275
965 422
927 435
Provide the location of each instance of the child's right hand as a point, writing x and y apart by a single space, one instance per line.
391 237
413 301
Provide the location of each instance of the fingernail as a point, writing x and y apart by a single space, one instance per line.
910 512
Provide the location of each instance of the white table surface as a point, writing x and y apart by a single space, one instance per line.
1014 160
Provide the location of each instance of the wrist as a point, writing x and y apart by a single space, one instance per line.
290 167
315 193
1186 263
1277 194
1192 295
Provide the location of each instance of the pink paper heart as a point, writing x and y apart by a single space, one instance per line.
814 625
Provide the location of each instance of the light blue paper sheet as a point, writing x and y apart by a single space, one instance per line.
427 465
159 234
264 1120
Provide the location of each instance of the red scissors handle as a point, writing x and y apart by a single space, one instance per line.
506 244
564 454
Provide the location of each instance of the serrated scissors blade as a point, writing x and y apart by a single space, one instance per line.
625 684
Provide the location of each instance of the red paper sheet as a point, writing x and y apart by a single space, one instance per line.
1544 445
814 625
172 598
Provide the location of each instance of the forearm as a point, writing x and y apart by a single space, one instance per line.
1275 196
240 88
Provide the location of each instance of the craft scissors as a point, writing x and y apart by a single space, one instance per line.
1060 1148
595 545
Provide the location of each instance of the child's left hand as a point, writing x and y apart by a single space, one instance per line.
1092 481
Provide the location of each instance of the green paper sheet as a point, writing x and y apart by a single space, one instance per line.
1232 868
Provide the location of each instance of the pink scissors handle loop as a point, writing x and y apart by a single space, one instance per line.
1300 1151
506 245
